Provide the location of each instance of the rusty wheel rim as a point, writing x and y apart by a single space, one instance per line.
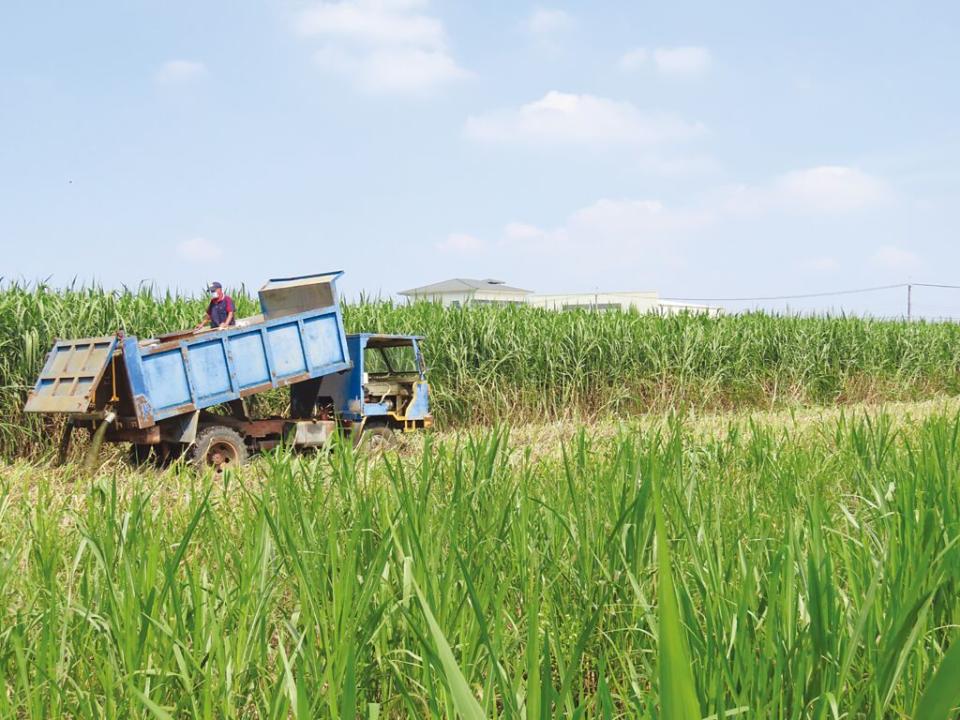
222 455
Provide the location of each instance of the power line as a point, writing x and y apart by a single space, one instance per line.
807 295
931 285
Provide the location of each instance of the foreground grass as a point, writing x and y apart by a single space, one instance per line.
800 572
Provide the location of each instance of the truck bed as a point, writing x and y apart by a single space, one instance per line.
299 336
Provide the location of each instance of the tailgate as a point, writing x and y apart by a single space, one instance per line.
68 382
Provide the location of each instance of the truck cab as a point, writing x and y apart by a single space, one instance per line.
385 389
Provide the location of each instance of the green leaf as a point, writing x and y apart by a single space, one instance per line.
678 695
348 694
942 694
463 700
155 710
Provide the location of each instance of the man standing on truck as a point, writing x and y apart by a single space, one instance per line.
220 311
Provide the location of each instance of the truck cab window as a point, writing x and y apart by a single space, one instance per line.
396 360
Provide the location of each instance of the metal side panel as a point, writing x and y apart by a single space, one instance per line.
68 381
173 378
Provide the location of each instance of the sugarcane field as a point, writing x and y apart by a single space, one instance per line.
375 359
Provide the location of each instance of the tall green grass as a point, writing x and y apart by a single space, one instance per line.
768 573
524 364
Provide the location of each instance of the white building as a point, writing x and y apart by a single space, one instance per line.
640 301
462 291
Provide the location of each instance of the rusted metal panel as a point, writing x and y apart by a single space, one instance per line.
290 296
140 436
262 428
136 384
310 433
181 429
68 382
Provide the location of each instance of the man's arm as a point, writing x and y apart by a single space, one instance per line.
206 319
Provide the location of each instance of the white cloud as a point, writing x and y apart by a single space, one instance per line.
611 227
391 70
180 71
385 46
564 118
830 188
635 219
523 231
894 258
199 250
689 60
374 22
627 223
549 21
634 59
460 244
823 190
647 232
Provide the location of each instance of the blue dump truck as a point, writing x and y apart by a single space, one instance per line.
193 393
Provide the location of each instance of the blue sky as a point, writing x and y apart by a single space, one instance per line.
698 149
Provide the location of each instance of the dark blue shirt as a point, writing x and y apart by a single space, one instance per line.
219 309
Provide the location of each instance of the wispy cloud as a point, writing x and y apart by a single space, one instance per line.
199 250
174 72
613 225
385 46
564 118
460 244
634 59
686 61
652 237
620 226
825 189
895 258
549 21
831 188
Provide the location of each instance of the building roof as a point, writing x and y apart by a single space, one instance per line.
456 285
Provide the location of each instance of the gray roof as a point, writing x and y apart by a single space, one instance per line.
465 285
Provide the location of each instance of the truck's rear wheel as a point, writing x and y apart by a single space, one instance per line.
218 447
143 455
160 455
377 438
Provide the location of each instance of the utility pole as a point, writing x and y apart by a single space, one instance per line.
909 302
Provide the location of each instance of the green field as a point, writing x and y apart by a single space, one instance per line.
815 573
590 534
522 364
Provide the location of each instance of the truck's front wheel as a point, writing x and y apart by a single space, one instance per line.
218 447
376 438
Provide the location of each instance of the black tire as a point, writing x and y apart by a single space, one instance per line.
376 438
218 447
144 455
